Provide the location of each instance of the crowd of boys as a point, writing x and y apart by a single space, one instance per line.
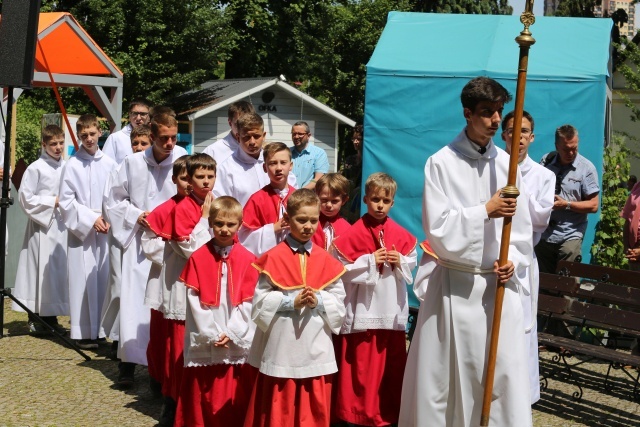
253 303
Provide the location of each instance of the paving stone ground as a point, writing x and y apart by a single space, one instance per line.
44 383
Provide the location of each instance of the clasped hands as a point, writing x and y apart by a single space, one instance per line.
306 298
382 255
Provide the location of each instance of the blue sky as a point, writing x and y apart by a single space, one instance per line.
518 7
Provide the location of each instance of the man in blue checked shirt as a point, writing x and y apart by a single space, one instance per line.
309 161
576 196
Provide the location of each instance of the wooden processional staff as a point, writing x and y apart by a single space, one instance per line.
524 40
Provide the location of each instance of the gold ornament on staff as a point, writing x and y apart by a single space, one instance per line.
525 41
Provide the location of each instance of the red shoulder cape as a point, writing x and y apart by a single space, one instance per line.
203 273
426 247
160 214
339 224
363 238
182 220
282 266
263 207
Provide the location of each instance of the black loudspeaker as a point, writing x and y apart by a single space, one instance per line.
18 36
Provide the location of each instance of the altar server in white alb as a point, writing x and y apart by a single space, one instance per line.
223 148
142 183
41 279
110 317
243 173
118 144
462 218
540 184
81 195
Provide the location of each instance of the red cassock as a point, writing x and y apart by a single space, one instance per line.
339 224
217 395
370 363
158 325
177 227
294 402
263 207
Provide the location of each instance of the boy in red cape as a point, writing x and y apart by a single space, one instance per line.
185 230
371 349
220 281
333 191
263 225
153 248
297 305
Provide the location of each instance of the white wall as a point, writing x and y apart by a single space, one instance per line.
284 110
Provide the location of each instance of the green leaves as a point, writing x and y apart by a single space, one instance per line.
608 247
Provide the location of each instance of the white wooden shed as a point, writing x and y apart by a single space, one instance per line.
203 113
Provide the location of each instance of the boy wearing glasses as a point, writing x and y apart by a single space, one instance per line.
309 161
142 182
118 144
539 183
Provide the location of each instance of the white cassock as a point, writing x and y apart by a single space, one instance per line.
140 185
444 377
279 348
174 292
240 175
376 300
153 248
540 184
118 144
222 149
205 325
110 316
81 195
41 279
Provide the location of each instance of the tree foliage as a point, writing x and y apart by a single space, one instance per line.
29 116
165 47
487 7
608 248
627 65
577 8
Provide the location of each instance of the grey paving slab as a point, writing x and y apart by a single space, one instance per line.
44 383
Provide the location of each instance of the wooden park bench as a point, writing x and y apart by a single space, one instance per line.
588 305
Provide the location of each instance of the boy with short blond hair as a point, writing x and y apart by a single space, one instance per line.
379 256
263 225
217 381
243 173
333 191
297 305
80 200
41 279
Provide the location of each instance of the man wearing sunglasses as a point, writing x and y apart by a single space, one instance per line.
118 144
577 190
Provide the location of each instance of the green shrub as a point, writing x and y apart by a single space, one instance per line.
608 247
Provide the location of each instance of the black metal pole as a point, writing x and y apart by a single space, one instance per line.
5 202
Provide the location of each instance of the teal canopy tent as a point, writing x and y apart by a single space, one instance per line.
421 63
